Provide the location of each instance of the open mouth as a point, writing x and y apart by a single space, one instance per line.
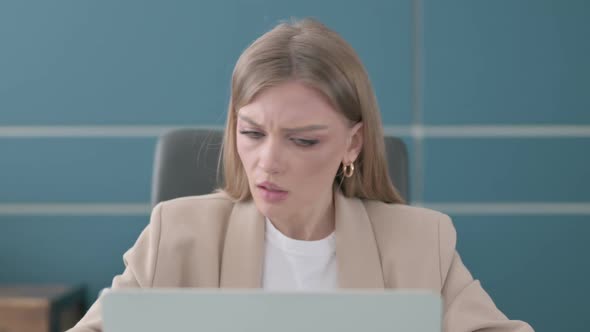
271 192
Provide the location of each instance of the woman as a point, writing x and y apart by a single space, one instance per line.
307 202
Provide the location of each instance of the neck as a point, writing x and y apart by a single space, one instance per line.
310 224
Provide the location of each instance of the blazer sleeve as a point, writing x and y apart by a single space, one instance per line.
467 306
140 264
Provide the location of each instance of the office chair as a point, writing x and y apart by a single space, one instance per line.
185 164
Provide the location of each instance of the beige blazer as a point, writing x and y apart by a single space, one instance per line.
211 241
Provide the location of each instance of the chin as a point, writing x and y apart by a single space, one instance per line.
269 210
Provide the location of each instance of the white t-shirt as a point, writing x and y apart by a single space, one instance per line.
291 264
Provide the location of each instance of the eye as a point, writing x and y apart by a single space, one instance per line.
252 134
304 142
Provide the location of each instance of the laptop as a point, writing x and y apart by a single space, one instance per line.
203 310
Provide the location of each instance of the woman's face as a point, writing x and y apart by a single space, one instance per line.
291 142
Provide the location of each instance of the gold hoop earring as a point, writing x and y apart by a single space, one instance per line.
348 170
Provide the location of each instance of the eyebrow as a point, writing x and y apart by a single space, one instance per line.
296 129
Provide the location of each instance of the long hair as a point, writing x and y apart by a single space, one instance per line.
307 51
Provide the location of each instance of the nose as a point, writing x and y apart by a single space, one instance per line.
271 157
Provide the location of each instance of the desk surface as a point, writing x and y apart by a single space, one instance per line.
38 294
40 308
32 291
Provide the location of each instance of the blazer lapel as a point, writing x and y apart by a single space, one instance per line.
243 251
359 262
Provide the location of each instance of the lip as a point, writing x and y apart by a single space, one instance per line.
269 186
272 193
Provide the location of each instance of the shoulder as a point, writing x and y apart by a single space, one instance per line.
218 200
419 228
416 213
405 216
194 212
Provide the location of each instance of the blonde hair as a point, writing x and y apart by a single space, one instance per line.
309 52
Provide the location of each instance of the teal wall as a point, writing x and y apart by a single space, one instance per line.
520 202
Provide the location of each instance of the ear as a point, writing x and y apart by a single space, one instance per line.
354 143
